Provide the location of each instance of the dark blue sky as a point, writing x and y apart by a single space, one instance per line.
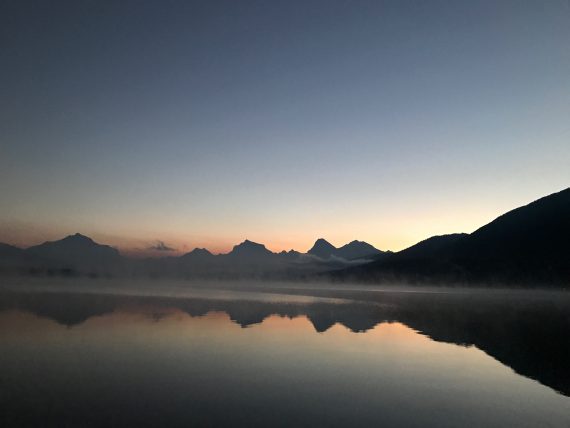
203 123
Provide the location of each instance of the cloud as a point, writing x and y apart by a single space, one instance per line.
160 246
353 262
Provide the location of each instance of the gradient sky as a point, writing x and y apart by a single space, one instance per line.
202 123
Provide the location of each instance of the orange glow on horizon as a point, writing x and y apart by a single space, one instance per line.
394 230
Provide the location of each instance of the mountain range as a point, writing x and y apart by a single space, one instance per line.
351 251
80 255
528 246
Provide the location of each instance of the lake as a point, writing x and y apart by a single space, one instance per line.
76 354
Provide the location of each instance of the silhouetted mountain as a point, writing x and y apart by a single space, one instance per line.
351 251
80 255
250 249
357 250
12 258
197 254
322 248
291 255
530 240
528 245
76 252
7 250
431 247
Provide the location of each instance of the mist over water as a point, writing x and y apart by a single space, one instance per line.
104 353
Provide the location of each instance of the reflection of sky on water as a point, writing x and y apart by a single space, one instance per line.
141 360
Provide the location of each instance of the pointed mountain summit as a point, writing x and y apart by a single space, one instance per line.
351 251
197 260
76 250
323 249
76 242
250 249
200 253
197 257
357 250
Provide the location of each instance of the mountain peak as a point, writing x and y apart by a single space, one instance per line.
353 250
199 255
357 250
198 252
78 237
322 241
250 248
322 248
73 241
76 250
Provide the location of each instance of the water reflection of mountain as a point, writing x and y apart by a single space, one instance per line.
528 333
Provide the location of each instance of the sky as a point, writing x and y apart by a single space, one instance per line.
203 123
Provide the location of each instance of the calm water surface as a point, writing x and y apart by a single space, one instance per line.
291 357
